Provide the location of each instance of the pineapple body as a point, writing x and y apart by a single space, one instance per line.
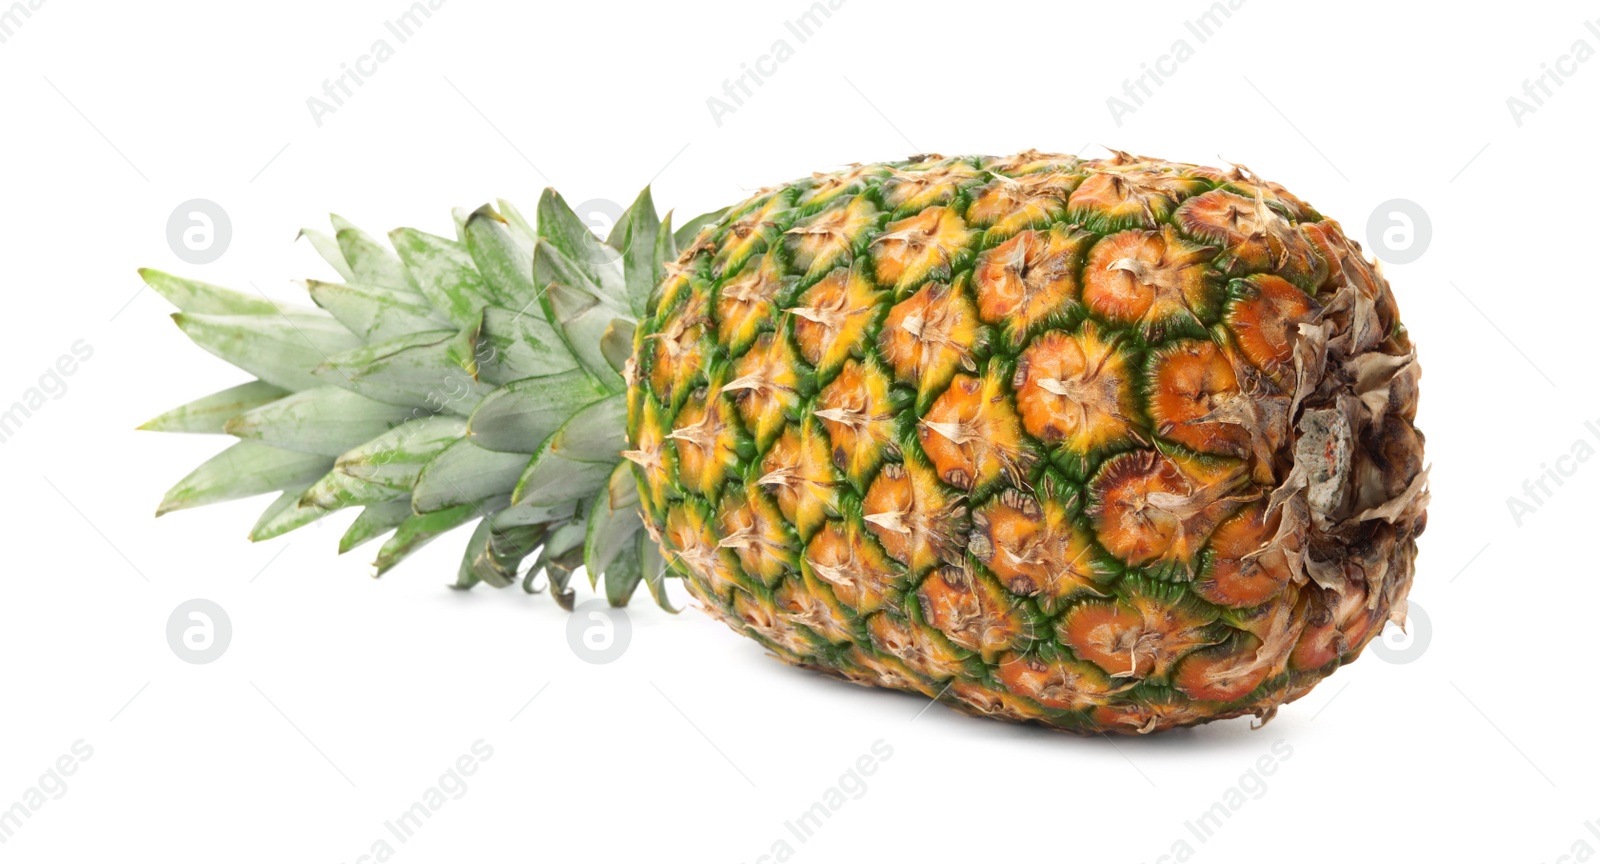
1110 445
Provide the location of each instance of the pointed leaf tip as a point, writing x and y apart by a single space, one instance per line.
487 211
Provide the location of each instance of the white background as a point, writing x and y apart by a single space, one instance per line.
340 699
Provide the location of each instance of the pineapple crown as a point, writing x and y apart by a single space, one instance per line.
443 381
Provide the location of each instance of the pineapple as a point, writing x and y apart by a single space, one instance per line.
1111 445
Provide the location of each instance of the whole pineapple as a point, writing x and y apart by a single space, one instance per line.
1111 445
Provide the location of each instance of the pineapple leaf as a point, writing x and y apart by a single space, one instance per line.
624 573
279 349
418 531
243 470
516 220
368 259
328 248
375 521
552 478
587 261
517 345
640 267
465 472
583 320
551 267
594 433
374 313
337 490
285 514
209 414
685 236
666 248
323 420
613 521
505 259
562 553
397 457
517 417
419 369
203 298
468 575
616 344
654 568
493 554
445 273
527 514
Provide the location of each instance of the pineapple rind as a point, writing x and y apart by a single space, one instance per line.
1241 353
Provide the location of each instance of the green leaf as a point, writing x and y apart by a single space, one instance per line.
616 344
518 417
516 220
375 521
655 572
285 514
685 236
515 345
422 369
465 472
613 521
203 298
595 263
583 321
243 470
418 531
505 258
562 554
528 514
467 574
328 248
374 313
325 420
493 554
337 490
594 433
641 268
445 273
209 414
368 259
552 478
552 267
625 573
279 349
397 457
666 244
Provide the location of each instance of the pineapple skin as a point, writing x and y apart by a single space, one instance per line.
1111 445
